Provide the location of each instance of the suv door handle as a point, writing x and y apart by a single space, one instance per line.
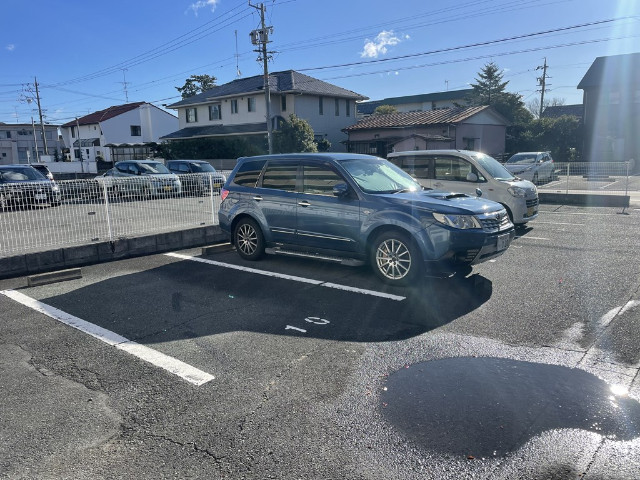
257 198
304 203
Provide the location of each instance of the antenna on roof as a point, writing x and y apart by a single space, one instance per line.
238 72
124 84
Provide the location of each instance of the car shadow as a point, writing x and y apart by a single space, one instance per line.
187 299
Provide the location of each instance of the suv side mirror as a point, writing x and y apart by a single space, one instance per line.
340 189
472 177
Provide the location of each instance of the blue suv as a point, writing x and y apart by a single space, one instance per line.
355 209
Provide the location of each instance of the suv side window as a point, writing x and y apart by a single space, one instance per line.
248 173
123 167
182 167
319 179
452 168
281 176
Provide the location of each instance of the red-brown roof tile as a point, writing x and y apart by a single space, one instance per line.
410 119
106 114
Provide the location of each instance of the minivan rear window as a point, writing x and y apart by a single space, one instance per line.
248 173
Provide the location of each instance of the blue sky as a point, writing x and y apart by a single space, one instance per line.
83 52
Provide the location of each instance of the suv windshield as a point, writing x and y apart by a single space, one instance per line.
523 158
493 167
19 174
154 167
202 167
379 176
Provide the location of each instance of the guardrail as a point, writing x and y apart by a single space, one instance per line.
103 209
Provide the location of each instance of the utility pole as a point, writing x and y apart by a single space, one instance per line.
260 38
542 81
124 84
35 140
44 137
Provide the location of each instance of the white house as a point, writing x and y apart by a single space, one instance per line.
121 132
239 108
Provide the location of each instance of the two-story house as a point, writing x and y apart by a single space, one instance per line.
417 103
611 98
121 132
23 142
238 108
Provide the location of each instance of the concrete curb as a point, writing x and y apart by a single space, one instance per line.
584 199
69 257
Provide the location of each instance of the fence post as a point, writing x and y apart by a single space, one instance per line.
213 207
568 172
106 206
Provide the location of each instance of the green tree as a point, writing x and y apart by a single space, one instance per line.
385 109
323 145
294 135
490 89
196 84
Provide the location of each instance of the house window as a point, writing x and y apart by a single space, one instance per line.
9 133
614 98
73 132
192 115
320 106
215 112
347 108
337 103
283 103
251 104
234 106
136 131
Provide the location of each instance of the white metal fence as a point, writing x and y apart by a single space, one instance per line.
33 217
615 178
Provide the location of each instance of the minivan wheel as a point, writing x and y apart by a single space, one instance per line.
248 239
394 258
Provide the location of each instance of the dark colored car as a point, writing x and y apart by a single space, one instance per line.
23 185
43 169
197 176
355 209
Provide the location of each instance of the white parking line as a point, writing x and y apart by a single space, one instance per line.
559 223
294 278
170 364
527 237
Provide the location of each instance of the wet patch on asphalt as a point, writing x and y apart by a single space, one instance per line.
485 407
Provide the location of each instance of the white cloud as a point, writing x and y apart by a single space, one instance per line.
378 46
11 47
202 4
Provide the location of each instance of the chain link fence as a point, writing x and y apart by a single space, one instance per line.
41 215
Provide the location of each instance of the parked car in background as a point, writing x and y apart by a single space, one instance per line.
198 177
537 167
354 209
23 185
467 171
43 169
143 178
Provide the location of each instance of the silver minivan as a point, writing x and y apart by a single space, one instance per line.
473 173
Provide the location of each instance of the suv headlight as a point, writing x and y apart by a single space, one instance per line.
517 192
457 221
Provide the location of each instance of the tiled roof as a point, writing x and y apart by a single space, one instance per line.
613 70
106 114
217 130
411 119
288 81
560 110
367 108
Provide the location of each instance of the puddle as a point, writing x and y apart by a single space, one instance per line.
491 406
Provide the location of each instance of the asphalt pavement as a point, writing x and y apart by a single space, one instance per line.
185 365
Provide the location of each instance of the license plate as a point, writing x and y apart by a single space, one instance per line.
168 189
503 242
41 196
217 185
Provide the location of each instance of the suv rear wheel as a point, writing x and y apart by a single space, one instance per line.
248 239
394 258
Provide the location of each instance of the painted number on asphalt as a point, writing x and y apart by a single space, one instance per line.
314 320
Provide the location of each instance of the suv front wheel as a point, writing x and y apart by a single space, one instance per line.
248 239
394 258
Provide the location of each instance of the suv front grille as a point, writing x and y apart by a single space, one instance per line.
494 222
